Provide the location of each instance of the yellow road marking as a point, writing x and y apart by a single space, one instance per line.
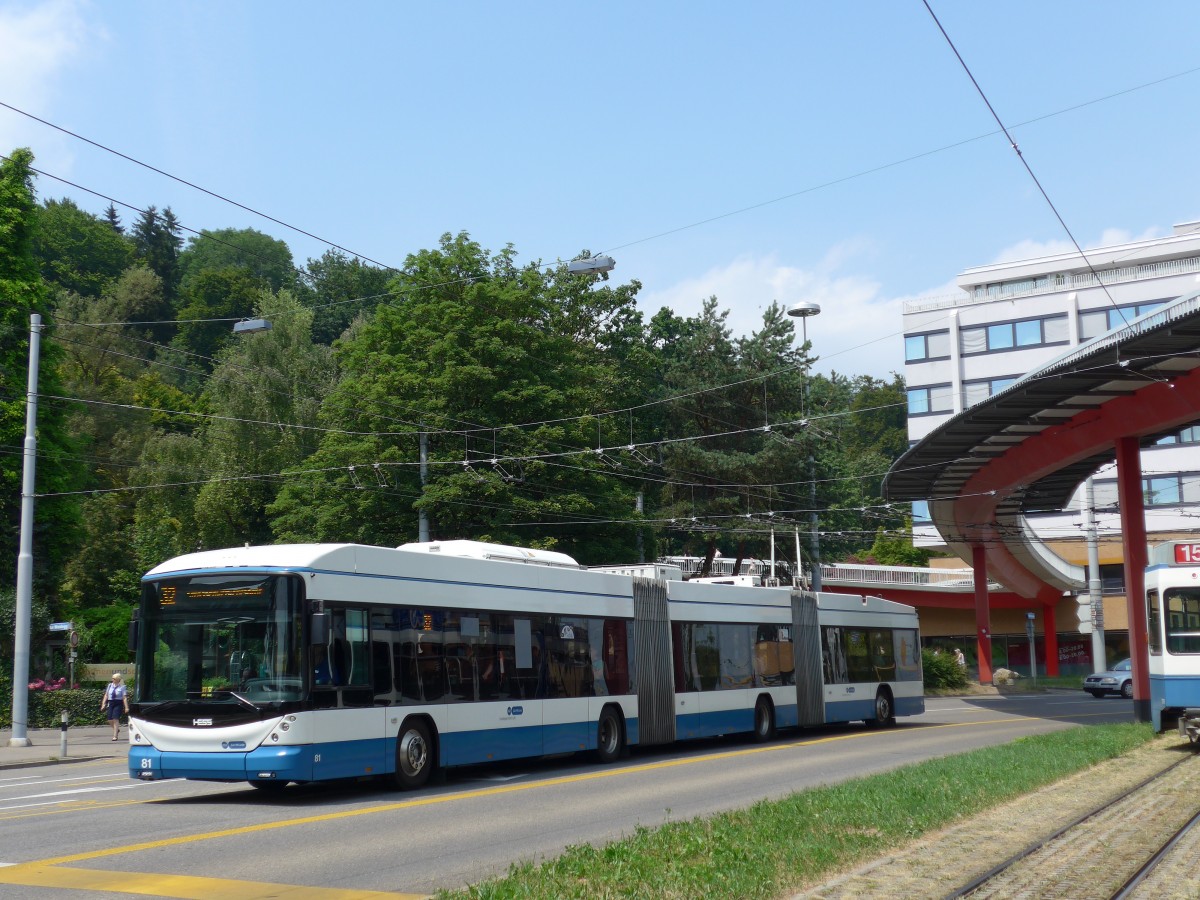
186 887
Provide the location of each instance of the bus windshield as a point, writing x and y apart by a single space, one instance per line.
229 637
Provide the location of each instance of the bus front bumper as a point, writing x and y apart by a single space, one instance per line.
261 764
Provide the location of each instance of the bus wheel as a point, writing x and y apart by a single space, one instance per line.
414 755
608 736
764 720
884 714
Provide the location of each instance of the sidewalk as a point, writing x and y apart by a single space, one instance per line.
84 743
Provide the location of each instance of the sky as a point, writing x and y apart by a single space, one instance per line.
758 152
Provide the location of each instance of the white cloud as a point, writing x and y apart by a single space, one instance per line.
857 333
1029 249
41 41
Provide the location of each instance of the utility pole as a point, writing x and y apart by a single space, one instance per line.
422 516
1095 592
20 698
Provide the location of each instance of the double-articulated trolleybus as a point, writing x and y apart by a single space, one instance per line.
321 661
1173 632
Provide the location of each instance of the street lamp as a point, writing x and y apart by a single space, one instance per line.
24 604
250 326
591 265
803 311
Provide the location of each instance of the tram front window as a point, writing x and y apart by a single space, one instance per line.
221 638
1182 607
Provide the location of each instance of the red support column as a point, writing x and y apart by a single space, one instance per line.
1133 535
1050 627
983 619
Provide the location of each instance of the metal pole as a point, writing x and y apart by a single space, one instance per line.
796 579
640 507
772 556
816 535
422 516
20 698
1099 661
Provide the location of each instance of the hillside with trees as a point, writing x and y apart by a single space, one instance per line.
551 412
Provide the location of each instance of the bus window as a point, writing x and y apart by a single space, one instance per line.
858 656
883 658
908 654
737 656
833 655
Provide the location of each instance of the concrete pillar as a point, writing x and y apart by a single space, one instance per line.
1133 535
983 618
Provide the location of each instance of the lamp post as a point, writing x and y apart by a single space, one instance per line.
24 616
803 311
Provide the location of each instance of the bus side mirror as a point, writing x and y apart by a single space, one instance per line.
319 628
133 633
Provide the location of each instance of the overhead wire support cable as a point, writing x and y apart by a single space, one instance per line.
1024 162
197 187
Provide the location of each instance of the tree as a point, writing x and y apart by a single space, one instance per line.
78 252
23 292
474 347
279 376
157 240
266 259
211 299
339 289
113 218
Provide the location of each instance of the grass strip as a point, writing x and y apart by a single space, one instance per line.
775 846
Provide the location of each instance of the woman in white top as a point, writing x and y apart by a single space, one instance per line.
115 702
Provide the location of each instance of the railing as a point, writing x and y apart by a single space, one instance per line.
986 294
902 576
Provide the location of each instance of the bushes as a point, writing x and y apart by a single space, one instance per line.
941 672
45 707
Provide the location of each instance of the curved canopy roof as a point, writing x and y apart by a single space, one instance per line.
1027 448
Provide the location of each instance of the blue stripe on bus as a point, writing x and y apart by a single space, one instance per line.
1175 690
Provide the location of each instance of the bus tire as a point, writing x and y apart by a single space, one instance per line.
885 711
764 720
415 760
610 736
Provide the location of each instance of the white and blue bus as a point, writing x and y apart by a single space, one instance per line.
1173 633
299 663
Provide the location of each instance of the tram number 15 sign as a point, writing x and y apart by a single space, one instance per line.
1187 554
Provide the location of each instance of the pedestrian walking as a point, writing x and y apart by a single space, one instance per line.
115 703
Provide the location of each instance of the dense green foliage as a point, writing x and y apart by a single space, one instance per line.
941 672
774 847
553 413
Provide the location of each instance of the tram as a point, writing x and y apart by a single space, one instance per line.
1173 635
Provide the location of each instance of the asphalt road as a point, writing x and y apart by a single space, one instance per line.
87 830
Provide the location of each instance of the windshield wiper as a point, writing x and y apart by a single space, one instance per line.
242 700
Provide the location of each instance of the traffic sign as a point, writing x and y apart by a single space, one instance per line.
60 626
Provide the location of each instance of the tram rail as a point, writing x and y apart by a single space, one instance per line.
1114 834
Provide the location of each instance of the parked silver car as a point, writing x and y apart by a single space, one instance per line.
1117 680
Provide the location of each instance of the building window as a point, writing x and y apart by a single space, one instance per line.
1187 435
1097 321
925 347
1176 489
977 391
1001 336
1112 578
928 401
